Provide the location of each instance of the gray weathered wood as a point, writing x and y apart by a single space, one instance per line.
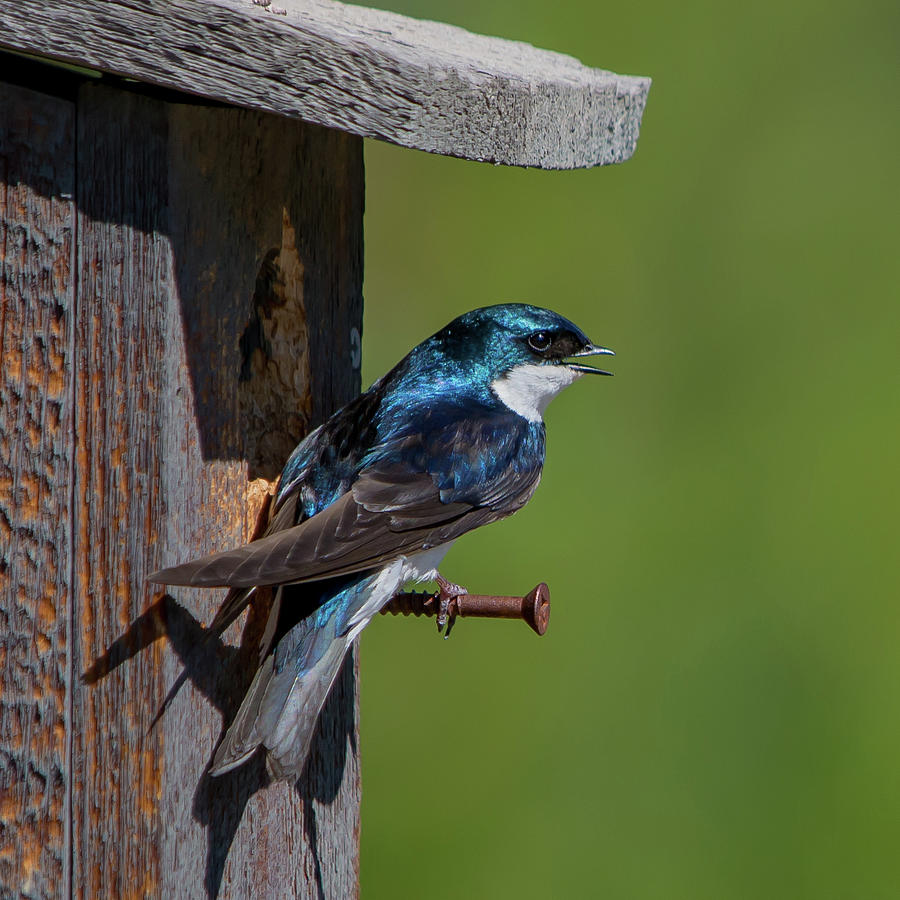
37 227
217 280
419 84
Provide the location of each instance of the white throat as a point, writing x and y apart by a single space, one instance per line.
528 389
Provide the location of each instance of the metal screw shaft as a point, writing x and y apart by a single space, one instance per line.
533 608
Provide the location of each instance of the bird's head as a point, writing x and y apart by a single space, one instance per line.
525 354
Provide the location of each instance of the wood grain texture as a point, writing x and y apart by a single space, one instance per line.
124 292
37 219
148 380
371 73
184 213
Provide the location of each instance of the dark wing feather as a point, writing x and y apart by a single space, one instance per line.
360 531
422 491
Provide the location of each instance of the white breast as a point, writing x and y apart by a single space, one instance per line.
527 389
421 566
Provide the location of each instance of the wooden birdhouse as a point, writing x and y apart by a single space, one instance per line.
181 224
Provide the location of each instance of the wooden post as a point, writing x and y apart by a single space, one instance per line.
37 233
180 293
180 302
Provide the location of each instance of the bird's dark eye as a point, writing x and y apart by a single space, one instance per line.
539 341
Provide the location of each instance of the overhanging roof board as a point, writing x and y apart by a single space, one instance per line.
419 84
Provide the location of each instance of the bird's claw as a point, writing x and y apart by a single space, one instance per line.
446 615
447 610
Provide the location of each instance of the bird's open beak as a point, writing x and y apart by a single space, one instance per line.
591 350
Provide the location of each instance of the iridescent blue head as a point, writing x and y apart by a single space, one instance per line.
519 354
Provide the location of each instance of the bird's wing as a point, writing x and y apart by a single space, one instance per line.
360 531
425 491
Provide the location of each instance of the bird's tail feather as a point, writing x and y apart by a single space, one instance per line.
242 737
282 706
290 735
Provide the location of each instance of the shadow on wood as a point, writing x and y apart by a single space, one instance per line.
221 674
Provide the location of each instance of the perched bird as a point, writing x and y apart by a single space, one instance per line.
450 439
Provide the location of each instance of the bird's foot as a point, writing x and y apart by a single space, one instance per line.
447 594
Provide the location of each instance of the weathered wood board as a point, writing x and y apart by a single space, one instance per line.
37 232
164 345
419 84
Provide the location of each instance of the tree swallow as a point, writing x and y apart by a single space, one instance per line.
450 439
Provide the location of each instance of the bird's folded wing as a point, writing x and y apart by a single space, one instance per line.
387 512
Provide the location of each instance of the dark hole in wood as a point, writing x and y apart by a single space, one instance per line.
274 379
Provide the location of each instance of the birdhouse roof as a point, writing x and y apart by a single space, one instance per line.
419 84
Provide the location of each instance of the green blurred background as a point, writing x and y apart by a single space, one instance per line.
714 711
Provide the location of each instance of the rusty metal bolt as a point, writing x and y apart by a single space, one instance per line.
533 608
